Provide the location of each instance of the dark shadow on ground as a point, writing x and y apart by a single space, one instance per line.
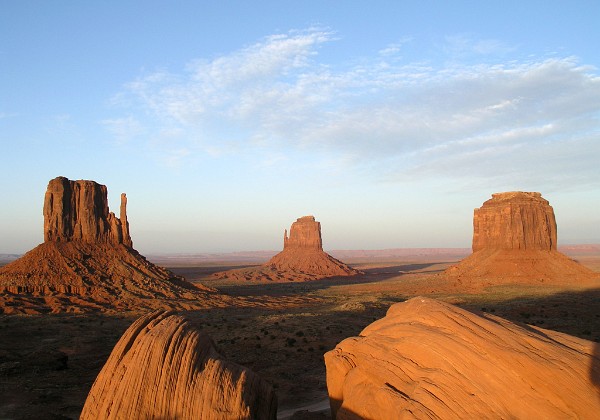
371 275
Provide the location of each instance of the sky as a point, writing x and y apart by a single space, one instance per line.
389 121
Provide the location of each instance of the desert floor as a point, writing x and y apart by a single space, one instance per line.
283 338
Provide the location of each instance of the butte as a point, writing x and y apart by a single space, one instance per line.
87 262
514 241
302 258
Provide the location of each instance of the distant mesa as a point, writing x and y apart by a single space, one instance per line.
302 258
164 368
515 241
429 359
87 261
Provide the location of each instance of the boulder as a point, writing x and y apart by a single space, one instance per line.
429 359
164 368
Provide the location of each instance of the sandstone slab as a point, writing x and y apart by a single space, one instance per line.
429 359
164 368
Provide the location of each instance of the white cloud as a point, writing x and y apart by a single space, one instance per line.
463 120
124 129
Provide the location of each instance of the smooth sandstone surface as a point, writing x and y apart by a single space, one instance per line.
431 360
164 368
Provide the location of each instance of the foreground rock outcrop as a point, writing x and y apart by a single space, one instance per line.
302 258
87 262
429 359
515 241
164 368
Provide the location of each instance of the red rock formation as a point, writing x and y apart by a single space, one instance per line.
514 220
305 233
514 241
87 262
302 258
428 359
78 210
164 368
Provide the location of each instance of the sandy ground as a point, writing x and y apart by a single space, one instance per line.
283 343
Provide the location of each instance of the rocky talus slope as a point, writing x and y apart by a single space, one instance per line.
302 258
87 262
515 241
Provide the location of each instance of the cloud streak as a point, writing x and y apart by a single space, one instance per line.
461 120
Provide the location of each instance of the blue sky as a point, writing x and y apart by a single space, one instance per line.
225 121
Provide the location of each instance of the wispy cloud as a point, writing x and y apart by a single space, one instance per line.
461 119
124 129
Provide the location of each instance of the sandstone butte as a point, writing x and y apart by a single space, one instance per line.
302 258
431 360
164 368
87 262
514 241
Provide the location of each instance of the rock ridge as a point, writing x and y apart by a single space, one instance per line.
163 367
430 359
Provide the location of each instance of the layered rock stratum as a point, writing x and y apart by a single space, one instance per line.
515 241
164 368
302 258
78 210
515 220
429 359
87 262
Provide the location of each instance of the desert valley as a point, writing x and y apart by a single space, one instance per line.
92 329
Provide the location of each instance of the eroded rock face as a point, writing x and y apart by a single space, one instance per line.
162 367
429 359
305 233
514 220
302 258
78 210
514 241
87 262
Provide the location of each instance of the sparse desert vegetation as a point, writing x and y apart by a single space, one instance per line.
283 344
